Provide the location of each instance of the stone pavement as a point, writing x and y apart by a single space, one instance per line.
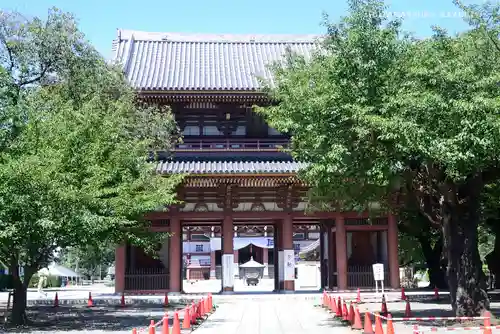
267 316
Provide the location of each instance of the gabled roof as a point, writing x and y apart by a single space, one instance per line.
202 62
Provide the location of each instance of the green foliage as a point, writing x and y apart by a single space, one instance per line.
375 112
88 259
410 252
74 146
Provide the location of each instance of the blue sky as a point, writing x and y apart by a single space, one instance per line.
99 19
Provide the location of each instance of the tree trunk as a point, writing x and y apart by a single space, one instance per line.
18 316
437 276
466 279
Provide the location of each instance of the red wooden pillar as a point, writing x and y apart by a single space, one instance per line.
392 249
281 259
332 263
227 254
288 254
175 255
236 266
341 252
120 262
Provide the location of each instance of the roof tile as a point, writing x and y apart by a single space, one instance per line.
228 167
156 61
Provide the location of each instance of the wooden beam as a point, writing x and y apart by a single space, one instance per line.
256 215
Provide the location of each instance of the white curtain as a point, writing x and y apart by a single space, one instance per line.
238 243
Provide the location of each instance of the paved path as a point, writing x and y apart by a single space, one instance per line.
280 316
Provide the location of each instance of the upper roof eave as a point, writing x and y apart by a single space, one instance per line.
138 35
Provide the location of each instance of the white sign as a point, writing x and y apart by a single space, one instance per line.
378 275
378 271
289 270
228 270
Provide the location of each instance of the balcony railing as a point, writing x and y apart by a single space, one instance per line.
217 145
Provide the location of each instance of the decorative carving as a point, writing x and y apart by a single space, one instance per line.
200 207
227 196
284 197
258 207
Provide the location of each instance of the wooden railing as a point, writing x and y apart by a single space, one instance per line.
147 279
267 144
362 277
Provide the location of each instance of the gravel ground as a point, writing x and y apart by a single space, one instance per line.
112 319
80 319
427 307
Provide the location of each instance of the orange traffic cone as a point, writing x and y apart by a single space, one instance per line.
134 330
390 327
333 305
357 320
487 323
211 303
403 295
383 310
368 327
325 299
345 312
408 309
56 300
204 306
339 308
186 322
358 297
90 302
436 294
378 325
152 327
164 327
122 301
192 311
165 302
176 326
199 306
351 314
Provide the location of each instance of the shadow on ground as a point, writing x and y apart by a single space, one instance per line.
426 310
79 318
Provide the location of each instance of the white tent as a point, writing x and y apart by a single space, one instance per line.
57 270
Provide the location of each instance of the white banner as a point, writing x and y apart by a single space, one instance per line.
289 269
227 270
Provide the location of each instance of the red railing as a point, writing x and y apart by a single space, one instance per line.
231 145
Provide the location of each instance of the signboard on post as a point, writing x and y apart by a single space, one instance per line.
378 276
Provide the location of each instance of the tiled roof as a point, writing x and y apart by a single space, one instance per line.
169 61
228 167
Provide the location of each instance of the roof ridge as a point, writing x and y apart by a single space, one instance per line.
124 34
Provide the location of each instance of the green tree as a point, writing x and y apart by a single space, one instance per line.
375 112
92 261
74 149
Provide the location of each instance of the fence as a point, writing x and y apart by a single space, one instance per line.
147 279
362 277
